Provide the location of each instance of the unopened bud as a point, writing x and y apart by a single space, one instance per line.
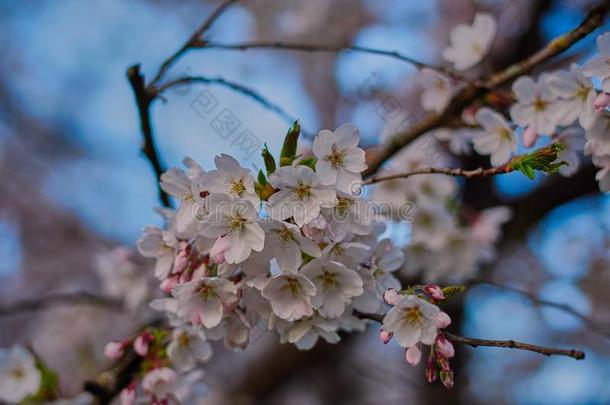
385 336
447 378
444 346
601 101
391 296
114 350
431 373
442 320
434 291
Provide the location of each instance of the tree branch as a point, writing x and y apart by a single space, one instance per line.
457 172
295 46
512 344
143 100
75 298
239 88
469 93
193 40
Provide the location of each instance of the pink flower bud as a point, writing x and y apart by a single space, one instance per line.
447 378
181 260
431 374
413 355
442 320
385 336
601 101
444 346
218 250
529 137
140 345
169 283
391 296
442 362
114 350
434 291
128 395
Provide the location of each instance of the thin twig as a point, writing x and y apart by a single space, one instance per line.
294 46
55 299
457 172
193 40
469 93
143 101
592 325
239 88
512 344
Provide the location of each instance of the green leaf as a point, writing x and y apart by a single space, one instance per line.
309 162
268 159
543 160
262 180
289 148
451 290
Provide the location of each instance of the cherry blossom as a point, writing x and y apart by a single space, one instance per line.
437 90
575 96
301 194
497 138
340 160
202 301
535 107
471 43
284 242
230 179
19 376
290 296
187 346
599 66
412 320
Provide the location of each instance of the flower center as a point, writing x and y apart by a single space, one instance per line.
236 223
302 191
540 104
342 205
582 93
205 292
285 235
293 286
328 279
503 132
183 340
237 187
337 158
413 315
18 373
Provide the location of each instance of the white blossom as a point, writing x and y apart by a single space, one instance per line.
437 90
340 160
471 43
160 382
230 179
284 242
301 194
290 296
202 301
575 96
497 138
600 65
574 141
412 320
235 225
304 333
19 376
187 346
162 245
535 106
351 215
177 183
335 285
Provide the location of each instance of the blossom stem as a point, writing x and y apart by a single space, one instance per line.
511 344
458 172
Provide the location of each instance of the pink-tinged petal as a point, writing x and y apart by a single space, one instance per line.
434 291
601 101
140 345
128 396
529 137
442 320
444 346
385 336
606 85
413 355
323 143
169 283
431 373
114 350
391 296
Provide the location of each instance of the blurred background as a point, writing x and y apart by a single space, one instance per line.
75 187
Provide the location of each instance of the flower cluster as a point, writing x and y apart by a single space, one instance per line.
564 105
288 251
